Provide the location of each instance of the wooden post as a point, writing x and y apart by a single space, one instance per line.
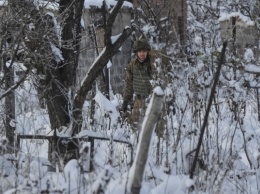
150 120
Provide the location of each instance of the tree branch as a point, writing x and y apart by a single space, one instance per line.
96 68
17 84
221 61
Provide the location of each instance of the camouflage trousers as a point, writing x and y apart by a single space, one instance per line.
137 115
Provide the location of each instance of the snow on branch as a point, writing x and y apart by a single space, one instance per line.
101 61
252 69
239 16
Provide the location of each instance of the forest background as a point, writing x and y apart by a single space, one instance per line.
208 64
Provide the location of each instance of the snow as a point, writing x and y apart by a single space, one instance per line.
158 90
71 172
109 64
99 3
3 2
57 53
228 129
226 17
17 66
114 38
174 184
252 68
106 107
249 55
198 40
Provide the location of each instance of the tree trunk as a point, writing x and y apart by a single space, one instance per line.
9 105
71 36
61 81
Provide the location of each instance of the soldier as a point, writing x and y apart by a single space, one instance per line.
139 74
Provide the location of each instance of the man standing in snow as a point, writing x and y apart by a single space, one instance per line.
139 74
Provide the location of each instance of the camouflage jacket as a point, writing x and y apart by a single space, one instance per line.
137 79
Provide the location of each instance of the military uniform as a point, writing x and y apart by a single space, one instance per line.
137 82
138 86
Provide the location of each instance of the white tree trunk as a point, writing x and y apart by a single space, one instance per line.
150 120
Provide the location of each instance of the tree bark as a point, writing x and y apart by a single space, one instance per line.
61 80
71 36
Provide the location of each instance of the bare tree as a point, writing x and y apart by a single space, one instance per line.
54 55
